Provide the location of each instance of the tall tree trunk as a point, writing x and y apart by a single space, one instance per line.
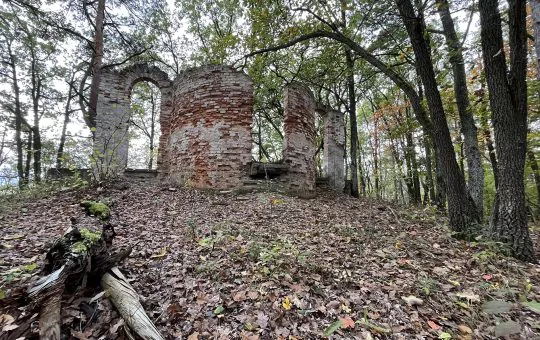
353 122
152 128
36 133
490 148
19 119
508 99
461 208
67 112
97 60
536 173
411 152
430 192
29 149
535 5
475 170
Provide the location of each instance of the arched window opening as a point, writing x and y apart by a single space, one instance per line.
144 128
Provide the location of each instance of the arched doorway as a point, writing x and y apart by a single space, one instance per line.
144 126
114 116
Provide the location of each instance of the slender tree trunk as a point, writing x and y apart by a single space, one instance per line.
490 148
97 60
535 6
19 119
430 192
67 112
461 208
475 169
411 151
152 129
36 133
536 173
28 163
508 99
353 122
375 151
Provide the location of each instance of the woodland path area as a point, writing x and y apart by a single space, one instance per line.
261 265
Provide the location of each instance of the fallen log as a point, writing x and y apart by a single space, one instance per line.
126 301
79 258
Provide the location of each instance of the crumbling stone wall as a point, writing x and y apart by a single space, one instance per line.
114 111
208 141
299 144
334 148
206 119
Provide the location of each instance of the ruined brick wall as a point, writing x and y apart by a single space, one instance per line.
334 148
208 137
114 111
299 145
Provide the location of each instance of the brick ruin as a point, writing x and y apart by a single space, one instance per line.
206 119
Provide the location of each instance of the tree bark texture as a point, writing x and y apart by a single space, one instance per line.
475 170
508 100
461 208
536 173
97 60
353 122
535 6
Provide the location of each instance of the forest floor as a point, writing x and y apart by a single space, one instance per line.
262 265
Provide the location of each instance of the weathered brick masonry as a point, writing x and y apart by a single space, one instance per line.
209 138
206 119
334 148
299 144
114 110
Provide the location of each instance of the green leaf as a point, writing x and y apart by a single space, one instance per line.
533 305
445 336
332 328
219 309
30 267
2 294
496 307
507 328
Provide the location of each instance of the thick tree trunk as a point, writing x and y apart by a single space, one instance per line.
475 170
97 60
461 209
508 99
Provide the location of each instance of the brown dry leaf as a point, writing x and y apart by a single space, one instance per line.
239 296
347 322
118 324
6 319
465 329
193 336
433 325
253 295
